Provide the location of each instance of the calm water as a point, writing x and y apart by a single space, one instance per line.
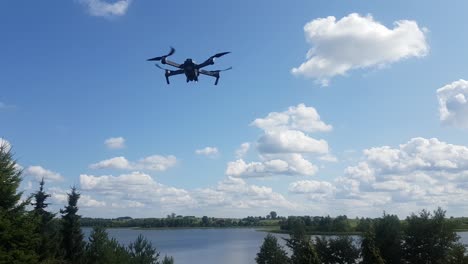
209 246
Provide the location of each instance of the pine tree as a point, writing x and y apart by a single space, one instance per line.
47 247
271 252
101 249
17 238
72 242
142 252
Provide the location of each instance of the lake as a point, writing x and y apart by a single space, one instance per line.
209 246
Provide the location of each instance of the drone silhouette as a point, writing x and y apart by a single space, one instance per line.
189 67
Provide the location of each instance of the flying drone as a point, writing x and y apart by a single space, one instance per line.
189 67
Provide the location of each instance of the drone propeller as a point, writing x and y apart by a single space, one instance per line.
218 71
220 54
163 57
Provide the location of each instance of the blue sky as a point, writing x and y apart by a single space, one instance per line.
331 107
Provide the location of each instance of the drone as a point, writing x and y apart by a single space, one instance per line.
189 67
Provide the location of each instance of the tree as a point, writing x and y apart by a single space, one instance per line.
271 252
370 253
388 233
339 250
47 247
428 239
72 242
142 252
168 260
303 252
101 249
18 241
273 215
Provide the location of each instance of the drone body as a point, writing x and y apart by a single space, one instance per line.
189 67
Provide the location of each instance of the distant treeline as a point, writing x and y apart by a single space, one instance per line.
313 224
179 221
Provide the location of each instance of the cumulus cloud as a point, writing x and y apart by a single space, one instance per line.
235 193
242 150
300 117
131 190
39 172
357 41
426 171
105 8
208 151
283 145
115 143
453 106
290 141
292 164
154 163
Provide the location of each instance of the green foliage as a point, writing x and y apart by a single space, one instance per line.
457 255
101 249
72 242
388 233
47 248
18 240
271 252
273 215
428 239
168 260
142 252
370 253
339 250
303 252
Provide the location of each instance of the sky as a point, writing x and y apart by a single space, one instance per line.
331 108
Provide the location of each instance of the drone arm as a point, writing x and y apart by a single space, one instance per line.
208 62
171 63
214 74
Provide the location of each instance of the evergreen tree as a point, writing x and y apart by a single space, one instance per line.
271 252
168 260
142 252
101 249
72 242
47 247
17 238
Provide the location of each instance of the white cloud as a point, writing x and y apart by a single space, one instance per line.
113 163
115 142
208 151
142 191
242 150
357 41
453 106
39 172
300 117
106 9
290 141
316 190
154 163
423 171
5 144
283 144
289 164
